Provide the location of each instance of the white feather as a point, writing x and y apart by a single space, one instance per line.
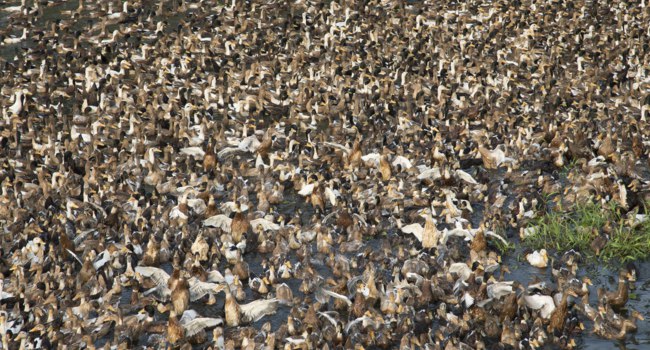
337 146
544 303
429 173
461 269
193 151
198 324
331 195
255 310
499 289
197 205
372 158
229 207
198 289
266 224
466 177
415 229
402 161
220 221
307 190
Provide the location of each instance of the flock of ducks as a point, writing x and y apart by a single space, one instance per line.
313 175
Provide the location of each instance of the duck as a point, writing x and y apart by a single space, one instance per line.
20 99
13 40
236 314
607 330
164 285
557 318
492 159
239 225
175 332
617 299
427 235
538 258
180 292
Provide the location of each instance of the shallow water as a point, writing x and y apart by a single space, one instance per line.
293 204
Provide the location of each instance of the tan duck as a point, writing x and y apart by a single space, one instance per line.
237 314
479 243
175 331
617 321
152 253
615 331
239 225
180 288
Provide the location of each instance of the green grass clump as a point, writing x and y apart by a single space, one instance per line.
628 244
579 227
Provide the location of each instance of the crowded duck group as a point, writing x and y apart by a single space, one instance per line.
312 175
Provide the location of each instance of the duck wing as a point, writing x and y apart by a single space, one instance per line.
338 146
323 295
544 303
429 173
307 190
372 158
402 161
159 276
229 207
161 292
200 323
193 151
221 221
415 229
102 259
197 205
199 289
498 289
188 315
249 144
215 277
466 177
332 195
257 309
461 269
266 224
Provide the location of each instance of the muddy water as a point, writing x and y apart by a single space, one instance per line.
600 275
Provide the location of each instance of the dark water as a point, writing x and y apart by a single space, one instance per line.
294 204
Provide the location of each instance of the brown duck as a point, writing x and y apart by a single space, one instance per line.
239 225
175 332
618 298
558 317
180 292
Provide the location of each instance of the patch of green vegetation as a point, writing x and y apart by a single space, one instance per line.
566 169
628 244
594 230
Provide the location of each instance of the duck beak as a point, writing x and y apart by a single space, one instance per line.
38 328
111 308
